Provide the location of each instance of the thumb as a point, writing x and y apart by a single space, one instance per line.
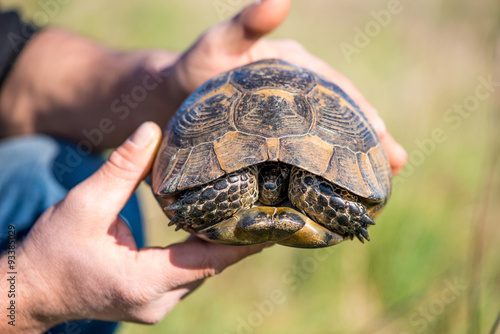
111 186
253 22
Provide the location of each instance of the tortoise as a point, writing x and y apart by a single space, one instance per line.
271 152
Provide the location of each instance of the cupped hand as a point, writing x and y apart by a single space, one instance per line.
239 41
80 259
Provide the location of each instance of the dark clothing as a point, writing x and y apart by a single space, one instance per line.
14 34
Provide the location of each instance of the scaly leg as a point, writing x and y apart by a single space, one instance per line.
218 200
333 207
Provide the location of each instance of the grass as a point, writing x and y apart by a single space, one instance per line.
440 228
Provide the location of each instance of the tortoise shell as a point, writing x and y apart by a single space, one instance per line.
271 110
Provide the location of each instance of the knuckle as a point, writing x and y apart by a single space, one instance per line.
210 272
122 165
211 266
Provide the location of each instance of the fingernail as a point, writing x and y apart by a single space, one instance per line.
143 135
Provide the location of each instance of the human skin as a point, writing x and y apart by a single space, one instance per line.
79 260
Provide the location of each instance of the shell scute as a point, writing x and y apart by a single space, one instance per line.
280 76
273 113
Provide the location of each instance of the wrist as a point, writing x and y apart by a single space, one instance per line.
28 301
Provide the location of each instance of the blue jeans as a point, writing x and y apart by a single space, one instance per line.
35 173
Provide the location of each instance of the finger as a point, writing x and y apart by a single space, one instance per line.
106 191
190 261
395 153
254 21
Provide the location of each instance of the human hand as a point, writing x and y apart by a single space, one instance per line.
80 260
239 41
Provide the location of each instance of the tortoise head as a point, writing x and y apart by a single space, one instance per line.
273 183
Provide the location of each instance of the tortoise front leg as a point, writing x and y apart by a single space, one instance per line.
282 225
333 207
218 200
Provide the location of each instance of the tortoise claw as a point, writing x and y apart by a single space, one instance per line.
364 232
360 237
174 206
366 220
179 226
175 220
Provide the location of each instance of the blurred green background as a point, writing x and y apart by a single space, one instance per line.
433 263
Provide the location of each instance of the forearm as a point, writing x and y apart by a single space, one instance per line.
66 85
